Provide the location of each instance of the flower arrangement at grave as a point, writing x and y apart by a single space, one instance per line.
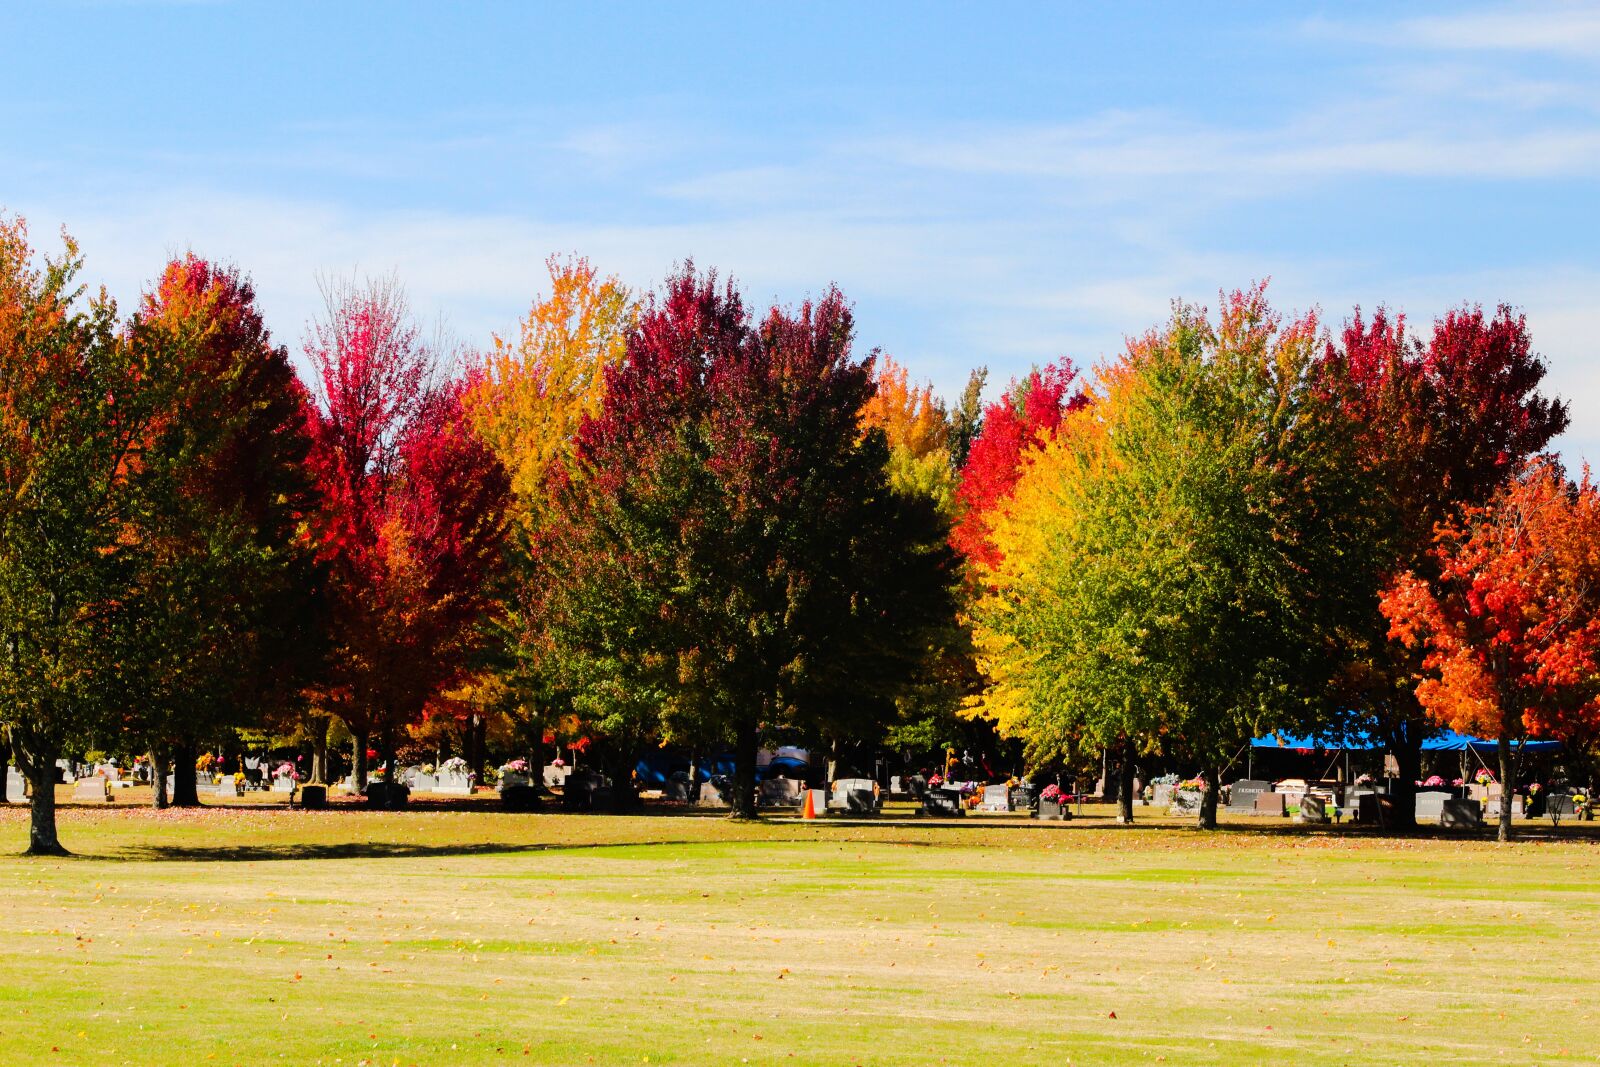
1484 776
1052 794
1433 781
379 774
1458 782
453 765
1364 780
1192 785
516 766
935 780
427 768
558 762
287 770
1533 788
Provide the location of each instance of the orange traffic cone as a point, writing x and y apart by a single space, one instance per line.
808 810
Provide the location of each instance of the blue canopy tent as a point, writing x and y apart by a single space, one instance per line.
1449 741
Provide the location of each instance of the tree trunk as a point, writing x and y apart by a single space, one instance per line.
158 777
477 737
743 801
1507 773
184 794
1125 786
358 761
693 791
1208 799
319 751
1407 751
39 767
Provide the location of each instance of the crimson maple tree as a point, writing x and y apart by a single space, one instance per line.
413 522
1443 419
730 564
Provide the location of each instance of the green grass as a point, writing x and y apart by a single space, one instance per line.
469 936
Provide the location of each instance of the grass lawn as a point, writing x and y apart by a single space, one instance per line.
245 935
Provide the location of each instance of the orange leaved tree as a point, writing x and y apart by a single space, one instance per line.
1509 627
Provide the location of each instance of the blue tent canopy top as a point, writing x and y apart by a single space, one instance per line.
1448 741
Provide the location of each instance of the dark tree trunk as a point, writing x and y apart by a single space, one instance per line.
358 762
38 765
1407 750
158 778
184 794
319 751
693 792
1125 785
1208 799
477 736
1507 778
746 747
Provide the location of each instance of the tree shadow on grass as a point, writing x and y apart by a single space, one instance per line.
917 832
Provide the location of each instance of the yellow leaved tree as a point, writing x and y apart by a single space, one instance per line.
529 397
917 429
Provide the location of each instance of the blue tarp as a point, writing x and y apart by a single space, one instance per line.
1449 741
656 768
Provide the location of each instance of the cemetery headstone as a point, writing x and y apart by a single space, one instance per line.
858 795
454 782
91 791
1313 809
781 792
1375 809
996 798
283 785
1430 804
1054 810
1242 794
943 802
15 787
313 796
1457 814
1271 804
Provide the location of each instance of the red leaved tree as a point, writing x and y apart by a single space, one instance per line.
1029 412
1446 419
1508 625
414 517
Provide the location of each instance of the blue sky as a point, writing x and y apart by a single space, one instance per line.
993 184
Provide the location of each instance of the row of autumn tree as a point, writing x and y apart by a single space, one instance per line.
1246 525
646 522
670 520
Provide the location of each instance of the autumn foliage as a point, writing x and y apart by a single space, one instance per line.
1028 414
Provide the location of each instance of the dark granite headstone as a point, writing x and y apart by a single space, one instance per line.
1461 814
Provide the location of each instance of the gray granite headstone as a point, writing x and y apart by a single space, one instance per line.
1313 809
1242 794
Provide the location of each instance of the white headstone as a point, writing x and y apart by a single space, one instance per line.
996 798
454 782
14 787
